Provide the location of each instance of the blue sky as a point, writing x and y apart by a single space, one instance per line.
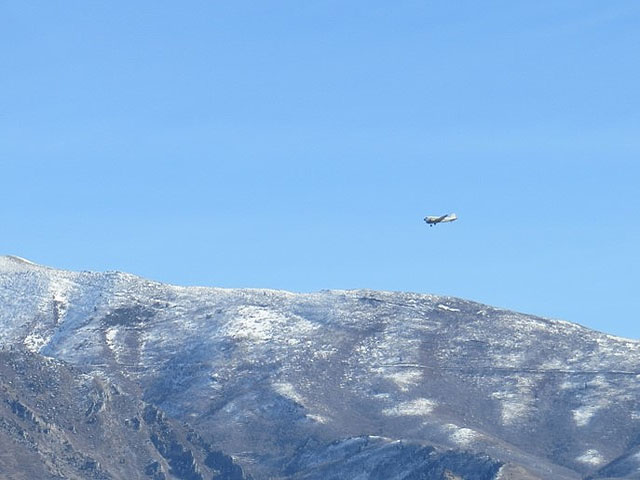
297 145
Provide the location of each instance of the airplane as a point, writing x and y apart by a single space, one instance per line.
431 221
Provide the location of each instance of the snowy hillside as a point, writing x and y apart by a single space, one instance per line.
264 375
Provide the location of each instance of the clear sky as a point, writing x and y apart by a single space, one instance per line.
298 145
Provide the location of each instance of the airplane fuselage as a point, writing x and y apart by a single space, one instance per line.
432 220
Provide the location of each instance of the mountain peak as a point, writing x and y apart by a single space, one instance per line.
13 263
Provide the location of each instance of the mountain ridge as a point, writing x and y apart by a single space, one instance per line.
263 371
7 259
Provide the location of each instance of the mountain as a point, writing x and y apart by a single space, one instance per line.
335 384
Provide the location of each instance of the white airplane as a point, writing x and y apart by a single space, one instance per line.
431 221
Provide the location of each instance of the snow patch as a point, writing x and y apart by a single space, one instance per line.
34 342
417 407
512 406
288 391
405 379
325 354
461 435
512 409
569 385
599 397
110 336
317 418
259 325
591 457
447 308
582 415
516 401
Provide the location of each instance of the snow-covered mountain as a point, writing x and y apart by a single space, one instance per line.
344 384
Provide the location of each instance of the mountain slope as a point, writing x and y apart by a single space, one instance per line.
58 422
260 373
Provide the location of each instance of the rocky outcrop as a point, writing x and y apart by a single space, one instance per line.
60 422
